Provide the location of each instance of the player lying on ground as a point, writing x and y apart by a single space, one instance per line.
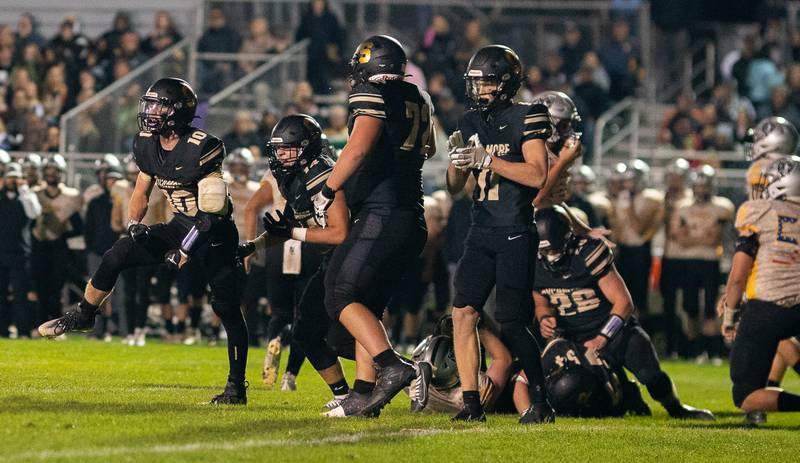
296 158
580 296
762 288
380 168
186 164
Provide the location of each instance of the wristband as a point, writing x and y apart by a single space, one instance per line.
131 223
328 192
189 239
612 326
299 234
730 315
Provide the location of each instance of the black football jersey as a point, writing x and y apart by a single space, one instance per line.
497 201
391 175
299 185
177 172
574 293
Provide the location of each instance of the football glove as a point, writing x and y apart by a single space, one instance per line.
473 156
138 231
245 249
322 202
173 258
280 227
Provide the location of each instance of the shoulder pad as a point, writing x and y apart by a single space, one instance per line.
596 256
749 215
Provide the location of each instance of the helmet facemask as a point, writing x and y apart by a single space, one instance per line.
156 115
483 92
555 255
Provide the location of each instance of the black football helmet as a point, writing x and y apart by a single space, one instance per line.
167 106
377 58
301 135
556 240
576 384
495 64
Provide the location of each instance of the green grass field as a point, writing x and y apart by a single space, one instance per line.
87 401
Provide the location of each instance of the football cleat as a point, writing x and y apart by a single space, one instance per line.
633 401
72 320
272 361
389 382
685 412
335 402
538 413
418 390
352 405
755 418
469 415
234 394
289 382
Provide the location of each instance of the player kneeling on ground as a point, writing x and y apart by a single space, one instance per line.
580 296
300 166
186 164
764 275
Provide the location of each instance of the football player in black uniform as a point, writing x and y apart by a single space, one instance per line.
380 169
186 164
301 166
580 296
506 153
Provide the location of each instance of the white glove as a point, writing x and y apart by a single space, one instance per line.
454 141
473 156
322 201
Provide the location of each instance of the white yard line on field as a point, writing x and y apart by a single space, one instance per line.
104 452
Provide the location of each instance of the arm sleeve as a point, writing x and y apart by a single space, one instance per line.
366 100
536 124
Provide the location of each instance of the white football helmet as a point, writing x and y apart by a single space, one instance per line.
772 136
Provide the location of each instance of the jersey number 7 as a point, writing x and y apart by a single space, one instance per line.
419 115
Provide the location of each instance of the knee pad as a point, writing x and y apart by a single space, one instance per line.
112 264
740 392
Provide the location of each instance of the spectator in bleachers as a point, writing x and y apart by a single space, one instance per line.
51 140
533 84
573 49
6 63
27 33
336 128
438 52
552 71
729 103
111 40
781 105
303 99
88 134
621 59
218 38
242 134
129 50
599 73
448 111
740 68
54 93
164 34
763 75
88 86
69 47
7 37
259 39
26 128
594 97
472 40
326 36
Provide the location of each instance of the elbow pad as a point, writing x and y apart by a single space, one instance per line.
212 195
747 244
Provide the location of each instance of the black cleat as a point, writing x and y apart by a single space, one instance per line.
469 415
685 412
352 405
418 390
538 413
389 382
72 320
755 418
633 401
234 394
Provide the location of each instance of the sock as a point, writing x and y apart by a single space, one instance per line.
180 328
788 402
771 383
339 388
472 400
170 327
387 358
363 387
796 368
195 314
296 359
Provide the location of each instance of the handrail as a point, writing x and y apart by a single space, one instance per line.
117 84
216 56
528 4
288 54
600 148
